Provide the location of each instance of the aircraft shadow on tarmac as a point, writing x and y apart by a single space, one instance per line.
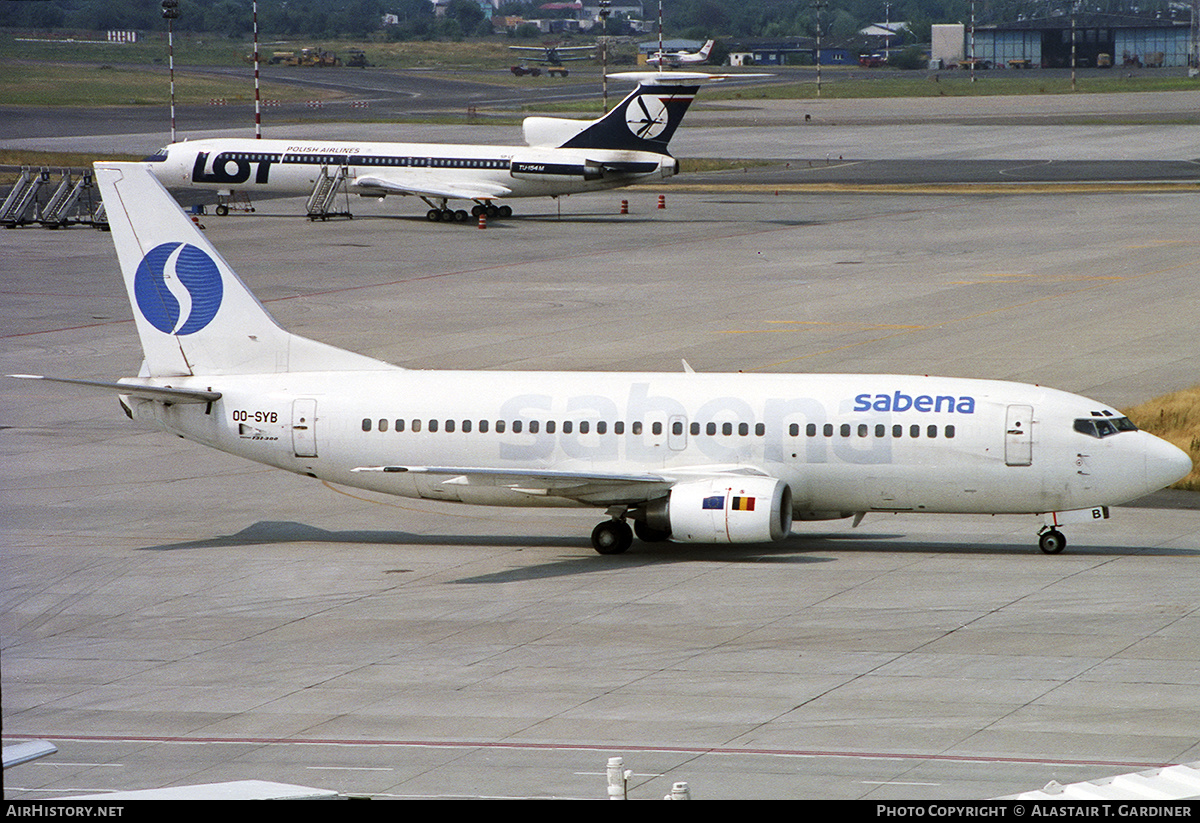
276 532
799 548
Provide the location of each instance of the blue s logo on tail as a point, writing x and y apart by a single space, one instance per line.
178 288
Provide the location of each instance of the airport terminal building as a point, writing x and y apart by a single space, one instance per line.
1100 39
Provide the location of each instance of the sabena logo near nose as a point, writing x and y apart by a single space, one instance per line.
178 288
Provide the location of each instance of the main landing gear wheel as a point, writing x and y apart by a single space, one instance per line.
612 537
491 210
446 216
1052 542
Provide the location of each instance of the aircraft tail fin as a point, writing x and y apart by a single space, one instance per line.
646 119
194 315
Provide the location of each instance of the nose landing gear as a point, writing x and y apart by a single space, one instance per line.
1051 540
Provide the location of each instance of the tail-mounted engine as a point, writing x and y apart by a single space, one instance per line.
541 165
532 164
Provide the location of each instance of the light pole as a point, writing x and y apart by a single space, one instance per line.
170 11
1194 46
660 36
604 13
972 41
1072 51
887 31
257 101
820 4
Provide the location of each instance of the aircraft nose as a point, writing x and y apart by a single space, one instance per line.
1165 464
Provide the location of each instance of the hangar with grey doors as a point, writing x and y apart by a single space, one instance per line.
1099 39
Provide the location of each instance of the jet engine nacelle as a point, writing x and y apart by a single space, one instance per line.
724 510
537 165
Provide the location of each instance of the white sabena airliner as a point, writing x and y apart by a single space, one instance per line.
678 58
693 458
627 145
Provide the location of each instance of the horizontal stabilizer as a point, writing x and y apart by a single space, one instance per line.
163 394
687 78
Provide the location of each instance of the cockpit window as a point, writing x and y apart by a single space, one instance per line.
158 156
1104 426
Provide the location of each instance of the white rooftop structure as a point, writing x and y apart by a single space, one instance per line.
1170 783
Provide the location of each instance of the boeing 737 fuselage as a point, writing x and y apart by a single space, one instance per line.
693 458
563 156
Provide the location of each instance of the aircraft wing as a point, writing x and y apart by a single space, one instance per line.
431 186
593 488
19 753
561 52
585 53
586 487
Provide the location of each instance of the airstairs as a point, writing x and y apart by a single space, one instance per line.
61 209
71 202
322 203
21 205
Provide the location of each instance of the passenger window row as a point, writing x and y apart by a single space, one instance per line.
880 430
516 426
711 429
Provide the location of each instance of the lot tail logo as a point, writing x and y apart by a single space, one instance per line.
178 288
646 115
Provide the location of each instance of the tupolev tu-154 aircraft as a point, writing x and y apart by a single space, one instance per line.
686 457
563 156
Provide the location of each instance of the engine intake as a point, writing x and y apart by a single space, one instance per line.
724 510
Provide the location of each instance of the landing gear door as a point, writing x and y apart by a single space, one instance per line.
304 427
1018 436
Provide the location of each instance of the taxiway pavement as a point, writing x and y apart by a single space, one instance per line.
172 615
